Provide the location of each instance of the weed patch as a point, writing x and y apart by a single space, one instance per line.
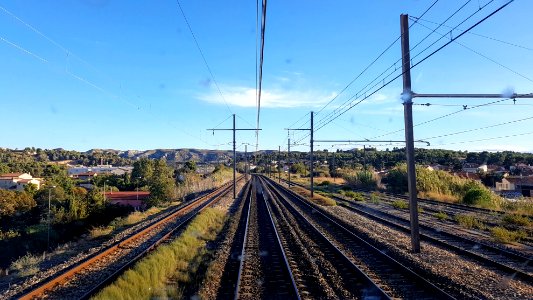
26 265
441 216
100 231
503 235
400 204
517 220
374 198
469 221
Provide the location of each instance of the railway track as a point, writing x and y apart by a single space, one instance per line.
431 205
264 270
364 270
490 218
513 264
88 276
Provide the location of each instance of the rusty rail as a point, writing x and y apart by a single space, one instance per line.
69 272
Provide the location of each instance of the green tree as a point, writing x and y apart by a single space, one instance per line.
13 202
162 187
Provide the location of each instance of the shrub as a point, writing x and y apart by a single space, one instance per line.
478 196
358 197
513 219
469 221
374 198
324 183
26 265
441 215
4 235
400 204
349 194
503 235
362 179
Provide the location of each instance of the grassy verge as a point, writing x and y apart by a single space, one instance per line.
166 270
317 198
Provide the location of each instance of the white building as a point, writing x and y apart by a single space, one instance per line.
100 169
17 181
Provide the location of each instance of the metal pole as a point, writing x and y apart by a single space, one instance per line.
234 161
334 169
364 157
311 156
289 159
409 135
246 161
279 164
48 236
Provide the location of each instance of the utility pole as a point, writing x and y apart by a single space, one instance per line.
289 159
246 161
234 161
409 135
279 164
334 169
311 156
364 157
234 151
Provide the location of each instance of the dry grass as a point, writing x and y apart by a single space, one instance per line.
164 272
26 265
438 197
317 198
100 231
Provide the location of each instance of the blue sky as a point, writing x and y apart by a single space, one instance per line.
84 74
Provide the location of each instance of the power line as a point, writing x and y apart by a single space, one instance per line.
366 68
484 56
372 63
80 78
476 34
261 60
487 139
421 61
203 57
465 107
477 129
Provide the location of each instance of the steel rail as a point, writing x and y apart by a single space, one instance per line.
436 292
64 275
374 291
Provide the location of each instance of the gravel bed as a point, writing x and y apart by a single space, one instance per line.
468 278
210 286
454 228
311 266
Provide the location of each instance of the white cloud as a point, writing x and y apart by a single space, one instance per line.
270 98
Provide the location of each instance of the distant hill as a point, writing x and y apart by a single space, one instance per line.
176 155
